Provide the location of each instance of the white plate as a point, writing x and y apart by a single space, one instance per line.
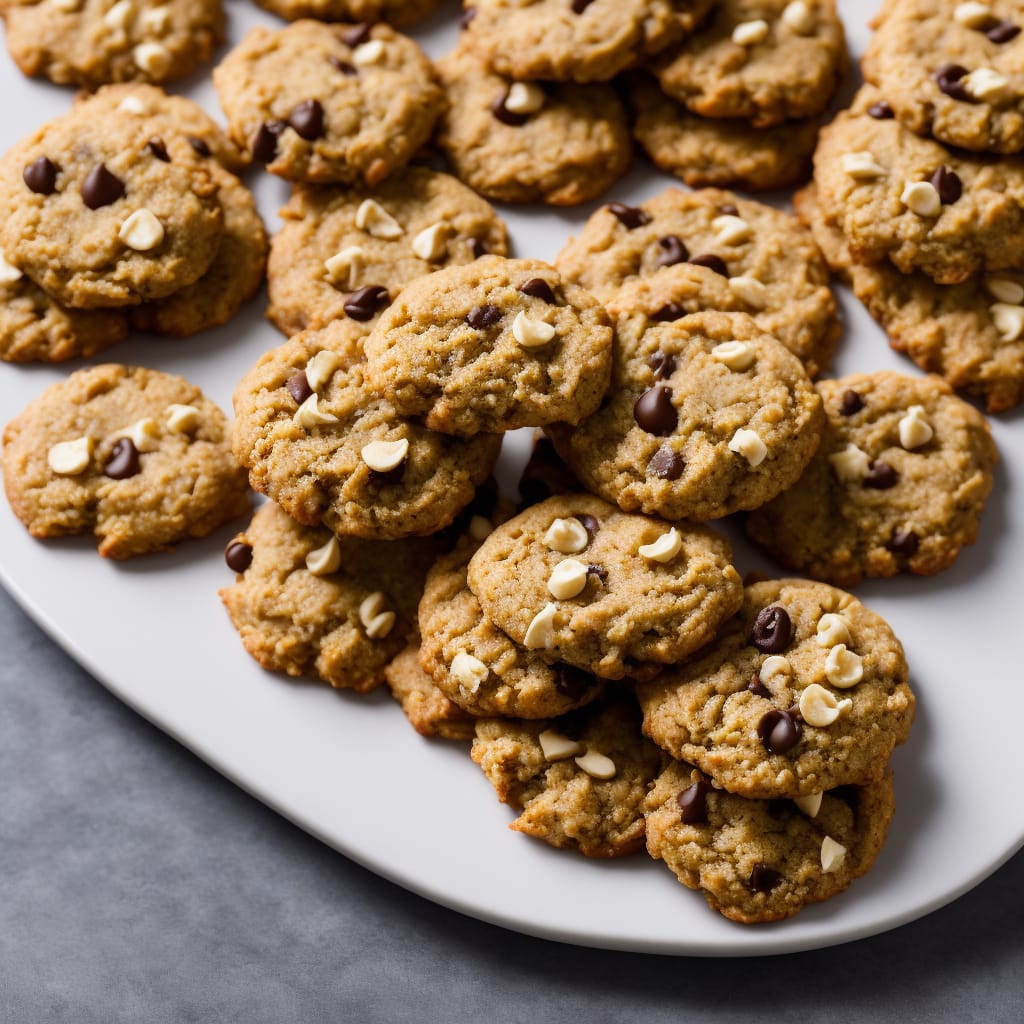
351 771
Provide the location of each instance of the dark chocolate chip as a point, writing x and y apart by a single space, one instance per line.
948 79
264 142
480 317
367 302
572 682
655 413
666 464
1002 32
779 731
343 66
903 542
588 522
673 251
155 147
757 687
466 17
200 146
124 460
307 118
693 803
669 312
579 6
298 387
711 261
356 35
881 111
238 555
772 630
101 188
850 403
729 210
539 289
662 363
629 216
506 116
948 184
478 247
764 878
41 176
881 476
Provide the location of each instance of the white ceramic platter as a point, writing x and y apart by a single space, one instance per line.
351 771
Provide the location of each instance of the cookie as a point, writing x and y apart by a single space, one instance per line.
395 12
136 457
579 780
767 257
951 215
97 216
708 415
308 603
558 143
318 441
719 151
604 590
582 41
764 860
766 61
345 104
899 482
90 42
429 711
492 346
952 70
342 254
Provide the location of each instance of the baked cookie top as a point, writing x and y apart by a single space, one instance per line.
395 12
764 860
429 711
952 70
805 689
322 444
766 61
899 482
346 254
323 103
952 215
136 457
604 590
491 346
708 415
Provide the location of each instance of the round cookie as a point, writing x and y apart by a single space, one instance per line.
325 266
492 346
311 604
898 484
559 41
762 711
98 216
580 780
395 12
318 441
724 152
951 215
789 297
90 42
763 860
136 457
952 70
562 143
346 104
429 711
708 416
635 607
766 61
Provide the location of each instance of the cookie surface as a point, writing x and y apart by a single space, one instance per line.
899 482
429 711
110 451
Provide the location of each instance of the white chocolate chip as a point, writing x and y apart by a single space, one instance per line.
372 218
8 272
972 15
133 105
531 333
141 231
664 549
843 668
541 630
737 355
567 579
368 53
818 707
749 290
468 672
376 621
862 166
1002 289
156 20
809 804
344 266
320 369
567 536
379 627
750 33
985 85
832 855
308 414
480 528
524 98
799 17
153 58
774 668
748 444
833 629
69 458
922 198
182 419
432 243
143 434
326 559
556 747
117 17
851 464
597 765
384 456
914 429
731 230
1008 320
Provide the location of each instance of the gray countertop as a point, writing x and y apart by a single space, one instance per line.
138 885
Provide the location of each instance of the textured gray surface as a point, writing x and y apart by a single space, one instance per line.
137 885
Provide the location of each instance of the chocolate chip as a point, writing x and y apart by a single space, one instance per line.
264 142
41 176
629 216
539 289
673 251
480 317
307 118
467 16
506 116
238 555
778 731
579 6
850 403
599 572
902 542
199 145
711 261
478 247
881 476
1002 32
662 363
764 878
298 387
356 35
123 461
155 147
666 464
655 413
757 687
572 682
729 210
669 312
693 803
343 66
948 79
101 188
948 184
588 522
881 111
772 630
367 302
